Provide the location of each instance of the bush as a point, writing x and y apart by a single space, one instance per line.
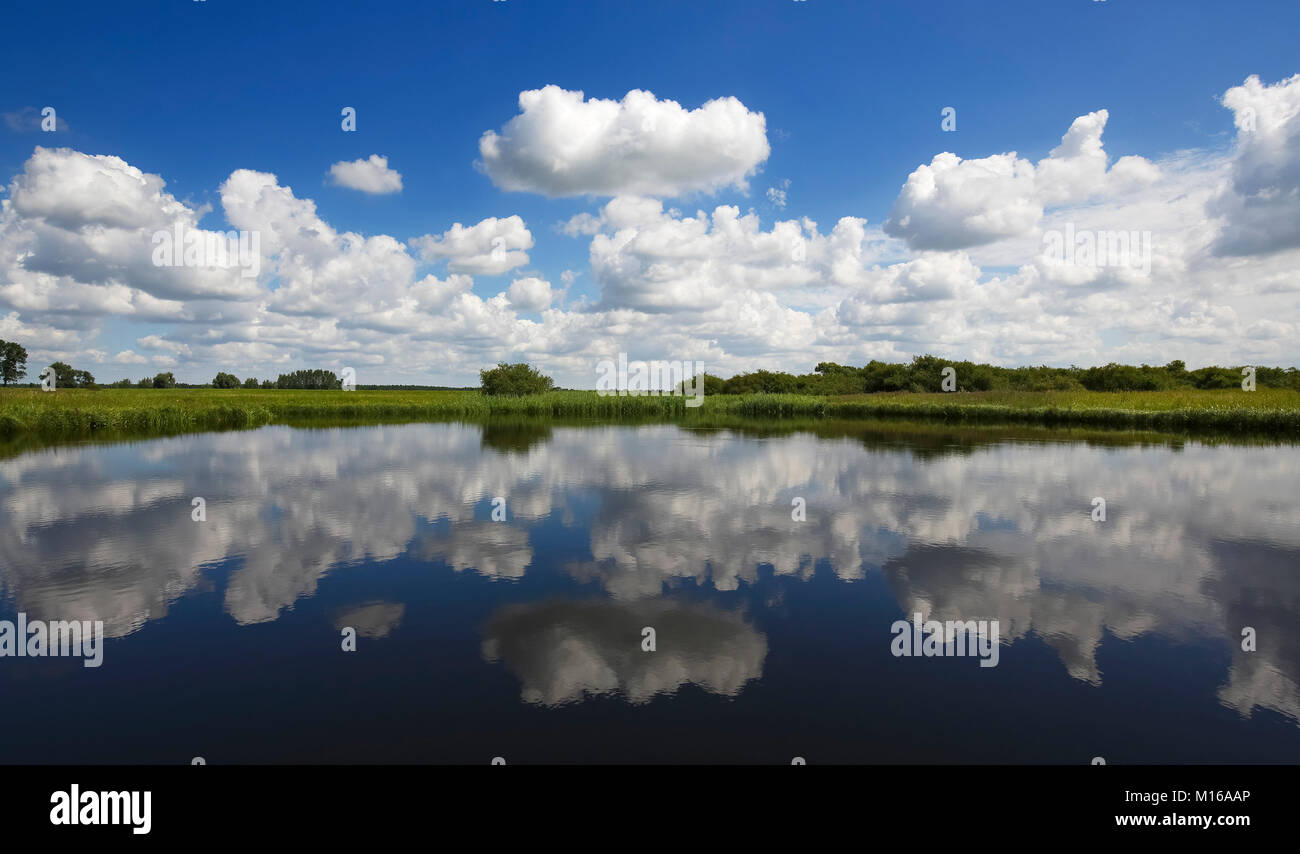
706 383
1217 378
761 382
514 380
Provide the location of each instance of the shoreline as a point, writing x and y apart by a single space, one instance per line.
74 414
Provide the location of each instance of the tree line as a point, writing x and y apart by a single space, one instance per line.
297 379
921 374
926 373
13 367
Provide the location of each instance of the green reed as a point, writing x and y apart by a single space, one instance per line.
71 413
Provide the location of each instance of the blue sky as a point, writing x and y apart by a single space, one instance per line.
850 96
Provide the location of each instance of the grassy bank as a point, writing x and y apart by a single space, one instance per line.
79 412
70 413
1270 411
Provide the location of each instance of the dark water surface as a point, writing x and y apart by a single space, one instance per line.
522 638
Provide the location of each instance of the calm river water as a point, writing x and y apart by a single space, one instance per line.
770 568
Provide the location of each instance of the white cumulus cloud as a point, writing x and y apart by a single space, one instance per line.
561 144
957 204
369 176
529 294
489 248
1262 207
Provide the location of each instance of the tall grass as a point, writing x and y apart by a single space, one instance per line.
75 412
70 413
1271 411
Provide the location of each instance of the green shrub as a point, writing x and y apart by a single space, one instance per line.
517 380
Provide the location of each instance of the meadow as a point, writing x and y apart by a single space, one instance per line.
76 413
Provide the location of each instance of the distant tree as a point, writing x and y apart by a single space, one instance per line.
1216 377
831 382
224 380
925 373
120 384
316 379
713 385
707 383
764 382
1276 377
144 383
64 375
251 382
516 380
13 362
884 376
1116 377
269 384
833 368
164 380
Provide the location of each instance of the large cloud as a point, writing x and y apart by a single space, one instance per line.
955 204
1262 206
530 294
563 145
78 237
489 248
671 263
